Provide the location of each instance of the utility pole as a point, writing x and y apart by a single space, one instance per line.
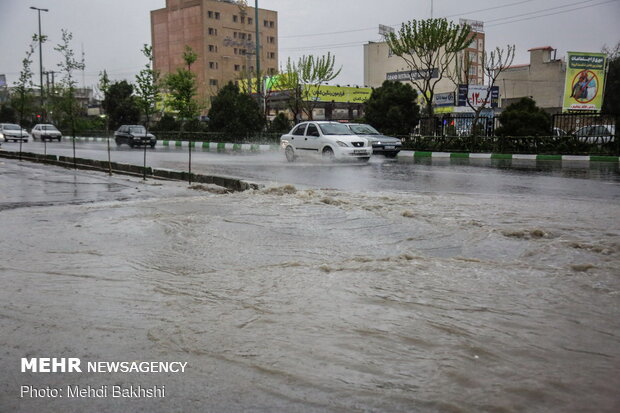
258 76
40 56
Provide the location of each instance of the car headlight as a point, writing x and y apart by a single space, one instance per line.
340 143
1 136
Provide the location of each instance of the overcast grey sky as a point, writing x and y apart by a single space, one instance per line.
112 32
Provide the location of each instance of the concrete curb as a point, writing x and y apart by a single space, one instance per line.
233 184
204 146
246 147
524 157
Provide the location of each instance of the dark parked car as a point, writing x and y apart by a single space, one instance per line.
134 135
381 144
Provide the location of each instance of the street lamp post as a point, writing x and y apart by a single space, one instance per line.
40 55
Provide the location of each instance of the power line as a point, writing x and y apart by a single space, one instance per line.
543 10
397 24
552 14
344 45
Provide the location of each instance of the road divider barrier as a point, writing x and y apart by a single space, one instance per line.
233 184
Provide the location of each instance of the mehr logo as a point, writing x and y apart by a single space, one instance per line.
51 365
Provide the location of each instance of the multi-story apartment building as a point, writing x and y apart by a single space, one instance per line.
222 33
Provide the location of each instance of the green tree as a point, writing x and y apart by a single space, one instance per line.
182 89
280 124
234 113
8 114
22 98
524 118
393 108
611 103
429 48
304 79
120 104
68 104
147 86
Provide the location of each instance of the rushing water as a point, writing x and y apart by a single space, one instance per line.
315 300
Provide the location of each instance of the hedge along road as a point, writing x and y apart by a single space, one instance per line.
485 176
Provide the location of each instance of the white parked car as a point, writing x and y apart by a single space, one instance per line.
596 133
329 139
45 131
12 132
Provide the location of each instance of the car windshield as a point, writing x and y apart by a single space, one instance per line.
137 129
10 126
364 130
334 129
48 127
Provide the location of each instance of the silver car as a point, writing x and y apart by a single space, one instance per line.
12 132
45 131
381 144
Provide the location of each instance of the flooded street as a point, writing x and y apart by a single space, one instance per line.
300 299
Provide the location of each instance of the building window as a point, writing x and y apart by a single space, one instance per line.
271 24
237 68
235 35
217 15
212 31
213 65
235 18
249 37
271 39
236 51
212 82
272 71
473 57
265 23
250 20
213 48
473 71
243 19
271 55
210 14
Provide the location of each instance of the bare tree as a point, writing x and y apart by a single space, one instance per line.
304 78
493 64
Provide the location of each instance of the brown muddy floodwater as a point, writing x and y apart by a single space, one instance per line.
286 300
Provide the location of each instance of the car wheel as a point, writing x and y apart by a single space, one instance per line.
328 154
364 158
152 145
290 154
391 154
118 143
131 145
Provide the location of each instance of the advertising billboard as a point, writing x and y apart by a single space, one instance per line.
476 95
585 81
342 94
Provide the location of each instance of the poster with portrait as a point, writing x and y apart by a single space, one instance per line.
585 81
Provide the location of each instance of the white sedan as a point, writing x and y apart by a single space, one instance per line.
332 140
45 131
12 132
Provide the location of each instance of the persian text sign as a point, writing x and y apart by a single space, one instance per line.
340 94
476 95
411 74
585 81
